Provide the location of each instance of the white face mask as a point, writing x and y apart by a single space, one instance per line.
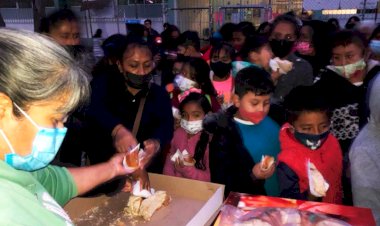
192 127
349 69
184 83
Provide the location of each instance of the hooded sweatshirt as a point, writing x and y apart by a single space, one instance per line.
364 156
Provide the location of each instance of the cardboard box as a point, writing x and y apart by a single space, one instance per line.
353 215
193 203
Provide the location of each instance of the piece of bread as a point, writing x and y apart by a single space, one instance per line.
153 203
134 204
318 185
285 65
266 162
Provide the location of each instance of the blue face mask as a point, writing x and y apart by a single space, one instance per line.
310 140
45 147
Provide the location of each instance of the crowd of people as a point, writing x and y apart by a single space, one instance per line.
300 90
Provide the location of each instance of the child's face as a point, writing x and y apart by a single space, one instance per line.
262 57
343 55
251 103
193 112
313 123
221 56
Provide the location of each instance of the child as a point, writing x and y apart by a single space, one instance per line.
195 73
191 138
222 56
306 137
244 133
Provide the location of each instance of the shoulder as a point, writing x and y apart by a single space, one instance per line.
158 92
271 124
218 121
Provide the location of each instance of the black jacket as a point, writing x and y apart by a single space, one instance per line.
112 104
230 162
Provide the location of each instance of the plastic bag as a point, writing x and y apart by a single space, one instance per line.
268 216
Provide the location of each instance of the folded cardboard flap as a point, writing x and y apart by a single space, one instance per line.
207 199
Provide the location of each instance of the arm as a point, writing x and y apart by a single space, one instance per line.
289 187
305 75
364 178
89 177
164 131
98 110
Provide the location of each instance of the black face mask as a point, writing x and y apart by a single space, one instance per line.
138 81
182 57
281 48
221 69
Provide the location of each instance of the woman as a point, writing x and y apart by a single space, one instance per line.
115 106
39 85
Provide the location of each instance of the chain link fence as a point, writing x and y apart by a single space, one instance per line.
203 16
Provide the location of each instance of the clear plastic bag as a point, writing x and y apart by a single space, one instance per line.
268 216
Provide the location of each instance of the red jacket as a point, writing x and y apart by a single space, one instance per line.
328 160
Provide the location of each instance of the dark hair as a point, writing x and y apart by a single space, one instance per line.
201 71
253 79
226 31
134 41
246 28
375 32
148 20
347 37
55 19
285 18
190 38
304 99
114 45
334 22
227 48
253 44
349 25
201 146
262 27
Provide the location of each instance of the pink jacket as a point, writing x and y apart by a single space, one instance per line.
181 141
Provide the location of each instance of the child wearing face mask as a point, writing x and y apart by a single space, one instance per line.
306 138
344 84
189 154
242 134
195 74
222 56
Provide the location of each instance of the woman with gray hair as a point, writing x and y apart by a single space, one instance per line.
40 84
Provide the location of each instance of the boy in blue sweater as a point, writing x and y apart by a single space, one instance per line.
242 134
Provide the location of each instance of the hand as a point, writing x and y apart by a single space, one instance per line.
143 177
151 147
128 187
123 139
178 165
262 174
116 163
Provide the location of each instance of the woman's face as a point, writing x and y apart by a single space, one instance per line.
66 33
137 60
343 55
20 131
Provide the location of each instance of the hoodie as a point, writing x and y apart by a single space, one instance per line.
364 156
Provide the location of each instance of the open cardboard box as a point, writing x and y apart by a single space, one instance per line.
193 203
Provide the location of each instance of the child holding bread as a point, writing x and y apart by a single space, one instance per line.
243 134
310 161
189 155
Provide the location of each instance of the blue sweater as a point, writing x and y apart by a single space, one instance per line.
263 139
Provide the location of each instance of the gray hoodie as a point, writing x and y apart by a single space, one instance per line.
365 158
